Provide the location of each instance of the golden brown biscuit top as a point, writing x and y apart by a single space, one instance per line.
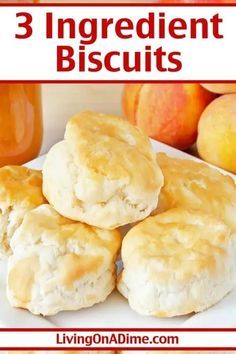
109 146
194 185
76 251
20 186
44 225
177 244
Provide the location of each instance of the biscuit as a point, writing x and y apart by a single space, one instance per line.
20 191
194 185
104 173
177 262
58 264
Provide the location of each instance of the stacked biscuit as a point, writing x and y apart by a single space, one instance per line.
62 227
64 252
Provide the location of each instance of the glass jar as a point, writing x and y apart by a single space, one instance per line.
20 118
20 123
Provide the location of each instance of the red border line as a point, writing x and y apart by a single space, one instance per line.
121 4
119 348
125 329
102 4
117 81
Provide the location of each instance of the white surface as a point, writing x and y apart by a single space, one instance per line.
115 311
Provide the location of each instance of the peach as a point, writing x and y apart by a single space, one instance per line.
216 141
220 88
167 112
130 101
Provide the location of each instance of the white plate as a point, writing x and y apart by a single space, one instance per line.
115 311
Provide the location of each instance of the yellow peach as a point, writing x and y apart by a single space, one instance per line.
130 100
220 88
216 141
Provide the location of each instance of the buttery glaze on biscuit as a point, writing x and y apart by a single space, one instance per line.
58 264
72 268
20 191
194 185
177 262
21 278
104 173
20 185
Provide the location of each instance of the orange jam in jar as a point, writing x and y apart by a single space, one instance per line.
20 118
20 123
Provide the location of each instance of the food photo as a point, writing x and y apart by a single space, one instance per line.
117 205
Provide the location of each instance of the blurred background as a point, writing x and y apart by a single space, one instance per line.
197 118
61 101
